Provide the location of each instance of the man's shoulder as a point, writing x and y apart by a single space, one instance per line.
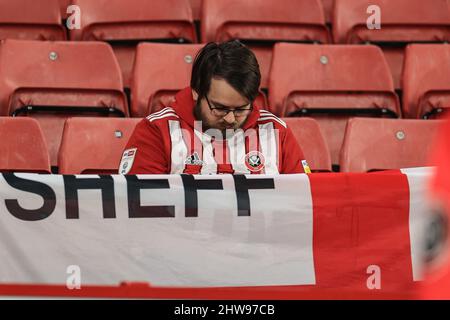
267 117
157 122
162 116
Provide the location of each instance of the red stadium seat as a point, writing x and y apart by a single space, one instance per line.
51 81
328 9
310 138
196 6
63 4
125 23
93 145
22 146
402 22
331 83
160 70
261 23
378 144
426 80
31 20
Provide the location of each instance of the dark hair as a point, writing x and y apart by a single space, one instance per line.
231 61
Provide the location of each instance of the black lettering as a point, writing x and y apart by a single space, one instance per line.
39 188
135 210
242 185
105 183
191 186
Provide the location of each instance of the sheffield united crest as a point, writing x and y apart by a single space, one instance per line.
254 161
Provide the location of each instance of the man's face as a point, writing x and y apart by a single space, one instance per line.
222 96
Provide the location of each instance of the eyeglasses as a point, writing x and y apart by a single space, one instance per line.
222 112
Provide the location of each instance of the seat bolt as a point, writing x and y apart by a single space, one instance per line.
400 135
188 58
323 60
53 56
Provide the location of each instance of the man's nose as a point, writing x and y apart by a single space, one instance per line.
229 118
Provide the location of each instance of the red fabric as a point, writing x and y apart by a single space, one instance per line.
145 290
153 142
437 284
441 158
354 228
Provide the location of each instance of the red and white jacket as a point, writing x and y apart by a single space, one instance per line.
169 142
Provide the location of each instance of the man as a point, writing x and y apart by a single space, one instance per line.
213 125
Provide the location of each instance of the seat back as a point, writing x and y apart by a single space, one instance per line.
328 6
51 81
22 146
335 77
261 23
402 22
63 5
160 70
426 80
378 144
31 20
331 83
94 146
134 20
196 6
270 20
125 23
309 137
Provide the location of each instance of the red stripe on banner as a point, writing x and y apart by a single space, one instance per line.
245 293
362 223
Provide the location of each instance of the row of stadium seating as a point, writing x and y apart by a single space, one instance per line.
94 146
327 7
52 81
259 23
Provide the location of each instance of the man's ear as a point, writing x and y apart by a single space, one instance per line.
194 95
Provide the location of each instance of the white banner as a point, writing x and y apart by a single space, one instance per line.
166 230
